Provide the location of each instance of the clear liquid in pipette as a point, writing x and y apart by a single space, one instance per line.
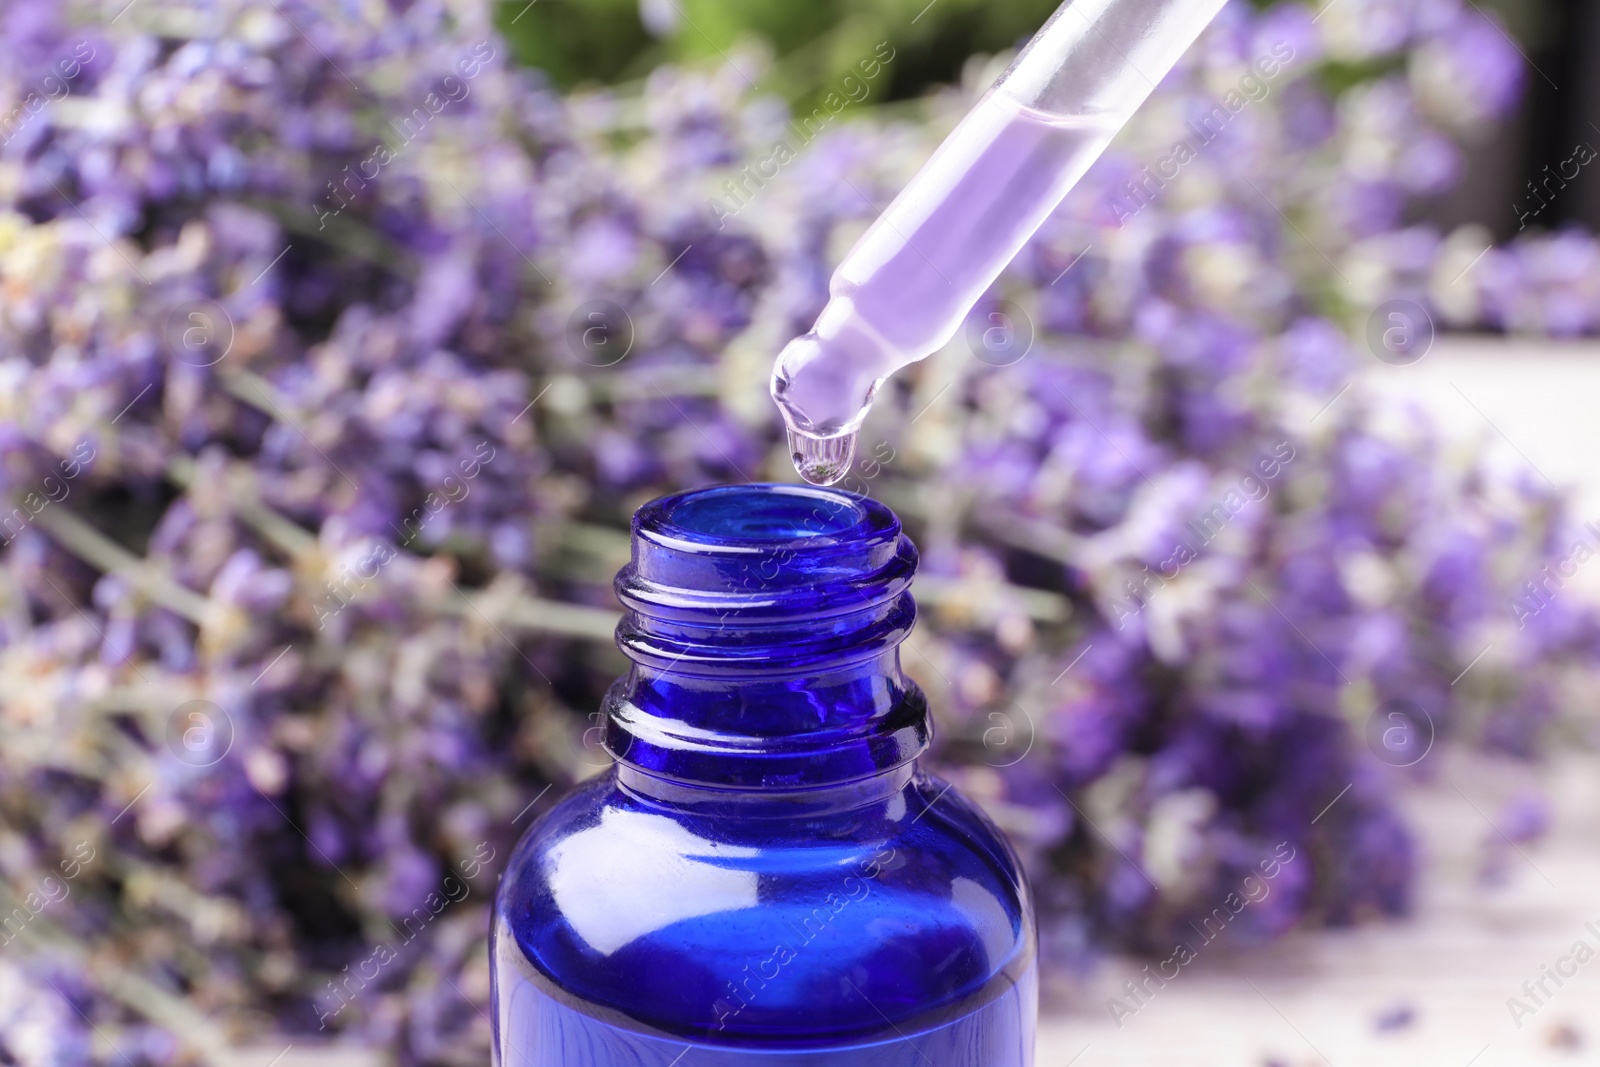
906 287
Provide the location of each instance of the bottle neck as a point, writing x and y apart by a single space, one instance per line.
764 623
770 803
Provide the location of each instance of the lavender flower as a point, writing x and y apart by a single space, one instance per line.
329 605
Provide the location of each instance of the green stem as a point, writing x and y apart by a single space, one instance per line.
172 1013
95 548
288 536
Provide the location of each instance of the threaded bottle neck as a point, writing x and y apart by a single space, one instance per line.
763 622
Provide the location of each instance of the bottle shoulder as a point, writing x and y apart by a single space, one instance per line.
733 927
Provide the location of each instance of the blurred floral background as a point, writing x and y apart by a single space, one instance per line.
339 342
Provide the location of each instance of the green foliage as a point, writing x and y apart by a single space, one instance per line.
1339 77
815 44
577 41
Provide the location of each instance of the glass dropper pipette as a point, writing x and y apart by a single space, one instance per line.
903 291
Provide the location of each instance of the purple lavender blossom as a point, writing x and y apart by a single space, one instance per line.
302 285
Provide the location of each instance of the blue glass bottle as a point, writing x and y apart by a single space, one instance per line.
764 876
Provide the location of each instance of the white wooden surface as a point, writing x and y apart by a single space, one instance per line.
1533 402
1317 999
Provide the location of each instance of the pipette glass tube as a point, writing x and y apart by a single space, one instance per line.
903 291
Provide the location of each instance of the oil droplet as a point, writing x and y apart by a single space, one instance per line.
822 460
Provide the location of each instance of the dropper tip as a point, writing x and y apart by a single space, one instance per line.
822 460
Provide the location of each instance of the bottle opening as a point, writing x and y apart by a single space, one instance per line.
738 547
762 514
